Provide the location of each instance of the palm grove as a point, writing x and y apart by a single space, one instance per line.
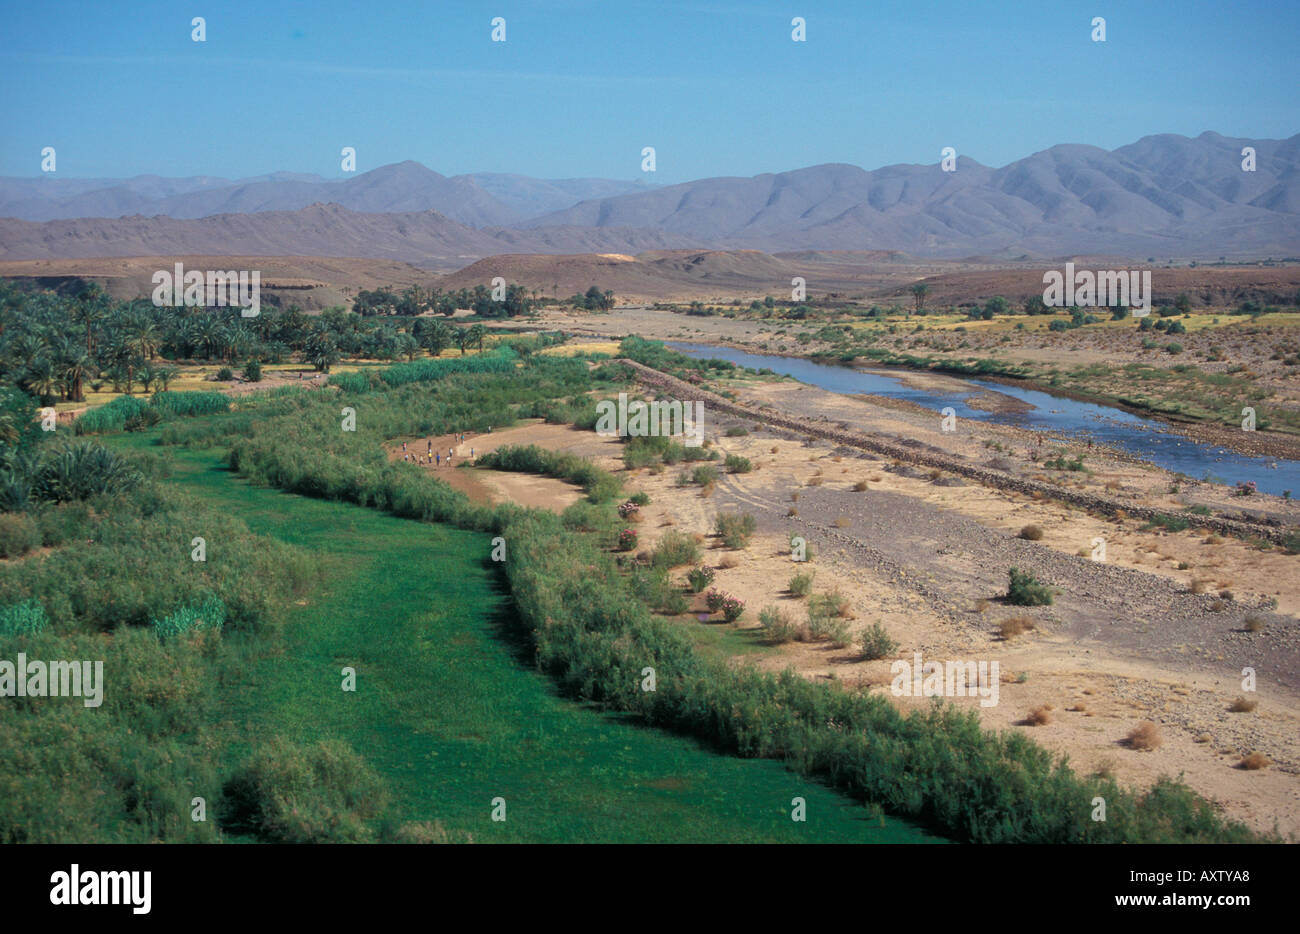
55 347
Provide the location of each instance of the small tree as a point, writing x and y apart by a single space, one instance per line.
919 292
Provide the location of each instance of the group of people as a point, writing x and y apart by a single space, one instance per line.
432 457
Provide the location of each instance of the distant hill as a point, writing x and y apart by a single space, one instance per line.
1164 196
426 238
478 200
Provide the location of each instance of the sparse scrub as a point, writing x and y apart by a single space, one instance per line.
1145 736
735 529
777 626
876 642
675 549
1026 590
1039 716
700 577
1015 626
737 464
801 584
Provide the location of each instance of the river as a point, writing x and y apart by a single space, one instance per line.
1149 439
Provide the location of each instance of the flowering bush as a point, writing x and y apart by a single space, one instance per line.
700 577
629 510
1246 489
627 540
730 605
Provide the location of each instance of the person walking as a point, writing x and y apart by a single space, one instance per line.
439 456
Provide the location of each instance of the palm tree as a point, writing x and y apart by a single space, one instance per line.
89 309
475 335
919 291
76 370
42 380
143 336
462 339
165 374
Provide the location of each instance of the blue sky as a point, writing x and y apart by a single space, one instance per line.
578 88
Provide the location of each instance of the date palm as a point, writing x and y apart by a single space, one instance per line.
43 380
76 370
143 336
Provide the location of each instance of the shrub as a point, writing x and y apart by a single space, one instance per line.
705 475
1254 761
225 374
627 540
253 371
1014 626
146 419
876 642
1039 716
675 549
81 470
23 619
834 631
734 528
629 510
777 625
700 577
1242 705
860 486
729 605
1145 736
1031 533
1168 523
1026 590
831 603
737 464
207 615
737 432
287 793
19 534
801 584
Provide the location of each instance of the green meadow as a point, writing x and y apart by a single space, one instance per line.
449 709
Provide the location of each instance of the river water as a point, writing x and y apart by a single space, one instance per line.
1146 438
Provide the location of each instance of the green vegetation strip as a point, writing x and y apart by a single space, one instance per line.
597 639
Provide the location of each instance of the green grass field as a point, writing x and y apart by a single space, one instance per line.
450 711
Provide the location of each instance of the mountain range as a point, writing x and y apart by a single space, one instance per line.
1162 196
480 200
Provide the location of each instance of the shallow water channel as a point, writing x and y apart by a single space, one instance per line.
1149 439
